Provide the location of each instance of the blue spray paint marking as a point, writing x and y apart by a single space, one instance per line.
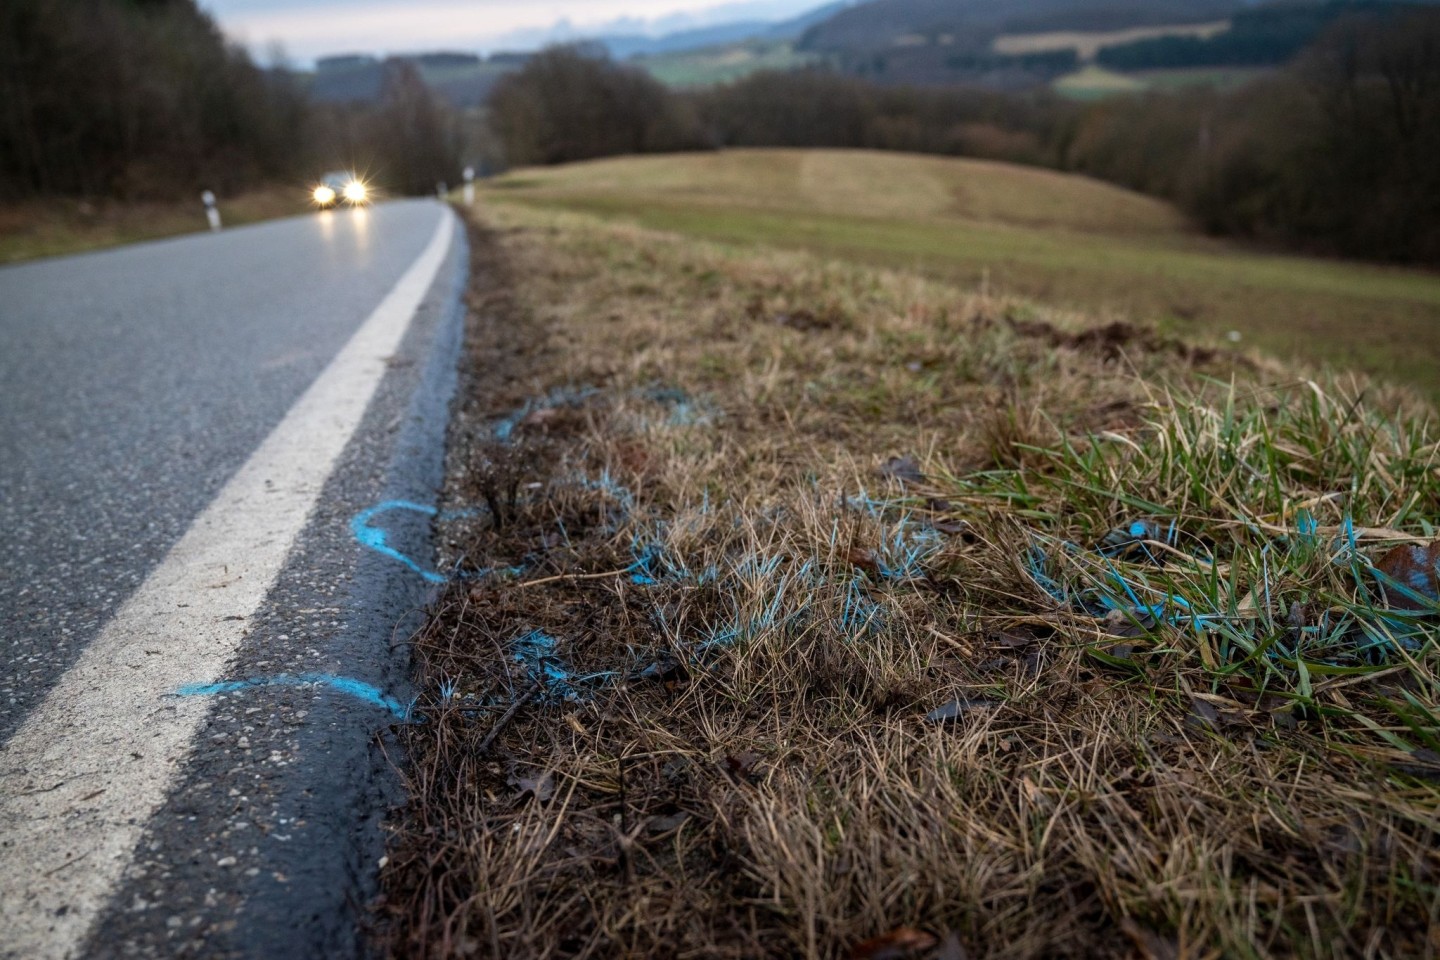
504 428
685 411
1372 627
608 485
645 571
860 615
355 688
374 537
1134 538
536 650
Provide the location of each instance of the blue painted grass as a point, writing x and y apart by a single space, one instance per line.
609 486
860 615
904 554
1098 585
536 651
504 428
346 685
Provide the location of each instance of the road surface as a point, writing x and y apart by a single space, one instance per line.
199 663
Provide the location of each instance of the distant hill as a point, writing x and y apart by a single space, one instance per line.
972 24
466 79
951 41
623 47
1016 44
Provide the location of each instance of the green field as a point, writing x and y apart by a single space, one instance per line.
1060 239
722 64
1219 78
1097 83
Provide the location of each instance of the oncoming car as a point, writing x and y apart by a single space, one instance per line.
340 186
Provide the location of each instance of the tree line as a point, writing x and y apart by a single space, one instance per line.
1338 152
1265 36
145 99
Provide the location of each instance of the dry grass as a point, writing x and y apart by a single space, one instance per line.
727 527
866 183
1061 239
49 228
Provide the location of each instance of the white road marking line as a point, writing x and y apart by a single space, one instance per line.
83 775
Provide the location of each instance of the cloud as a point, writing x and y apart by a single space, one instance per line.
317 27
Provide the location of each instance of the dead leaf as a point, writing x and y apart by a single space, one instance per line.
1204 714
542 788
904 469
958 708
742 766
866 559
666 824
1411 572
898 944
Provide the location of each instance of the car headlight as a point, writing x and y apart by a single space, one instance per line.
355 191
324 195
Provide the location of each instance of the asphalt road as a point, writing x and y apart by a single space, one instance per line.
142 389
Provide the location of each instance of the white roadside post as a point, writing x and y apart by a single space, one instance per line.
211 212
469 186
440 190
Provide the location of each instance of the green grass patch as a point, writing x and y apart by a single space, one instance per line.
1097 83
1219 78
723 64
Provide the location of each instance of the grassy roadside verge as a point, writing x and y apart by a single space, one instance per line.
50 228
796 604
1060 239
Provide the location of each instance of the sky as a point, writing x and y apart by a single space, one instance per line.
306 29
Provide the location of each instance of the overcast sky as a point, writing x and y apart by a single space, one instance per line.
310 28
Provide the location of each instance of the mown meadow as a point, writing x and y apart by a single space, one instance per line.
1065 240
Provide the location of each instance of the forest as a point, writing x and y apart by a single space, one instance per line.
145 99
1334 153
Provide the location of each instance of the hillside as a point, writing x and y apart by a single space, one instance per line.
1022 45
1066 239
879 23
941 41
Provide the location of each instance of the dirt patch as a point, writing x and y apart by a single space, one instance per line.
1113 340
